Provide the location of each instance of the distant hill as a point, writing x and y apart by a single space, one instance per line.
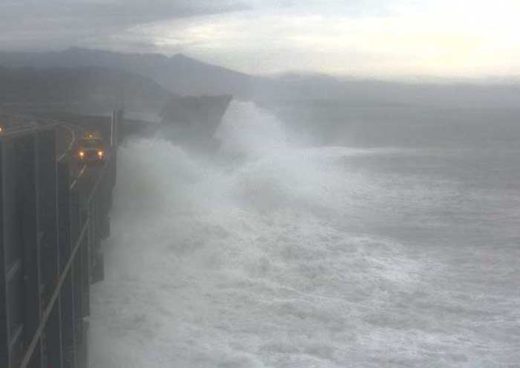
90 88
188 120
376 93
185 76
179 73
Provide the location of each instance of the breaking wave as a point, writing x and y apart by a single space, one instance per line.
267 256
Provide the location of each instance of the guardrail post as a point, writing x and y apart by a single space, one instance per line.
28 179
75 228
98 228
65 247
11 254
48 214
4 310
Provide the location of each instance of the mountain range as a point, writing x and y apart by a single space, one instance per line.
179 74
146 80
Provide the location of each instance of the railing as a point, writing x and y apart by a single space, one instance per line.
51 227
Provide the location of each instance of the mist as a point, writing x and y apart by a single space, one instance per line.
278 252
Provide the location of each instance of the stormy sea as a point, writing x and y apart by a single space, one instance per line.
373 238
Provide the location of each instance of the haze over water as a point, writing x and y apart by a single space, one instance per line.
380 248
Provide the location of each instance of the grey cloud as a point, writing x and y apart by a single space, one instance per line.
117 9
58 23
352 8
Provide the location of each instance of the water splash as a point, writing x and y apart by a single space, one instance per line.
261 258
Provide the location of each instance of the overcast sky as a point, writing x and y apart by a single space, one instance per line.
383 38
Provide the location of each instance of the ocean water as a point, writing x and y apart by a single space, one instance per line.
279 252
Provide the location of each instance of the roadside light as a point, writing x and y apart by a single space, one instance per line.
100 153
81 154
1 129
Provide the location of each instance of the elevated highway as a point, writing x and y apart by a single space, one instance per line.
54 214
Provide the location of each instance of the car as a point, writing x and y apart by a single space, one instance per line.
91 149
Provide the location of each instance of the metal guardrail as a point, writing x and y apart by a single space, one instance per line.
50 248
47 312
17 123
